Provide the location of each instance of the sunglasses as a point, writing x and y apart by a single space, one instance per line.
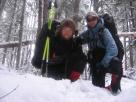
91 19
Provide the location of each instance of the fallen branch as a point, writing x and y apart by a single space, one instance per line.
15 44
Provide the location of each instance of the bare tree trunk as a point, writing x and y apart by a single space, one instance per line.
39 17
76 6
60 4
45 11
10 29
2 4
132 17
20 35
76 11
96 5
126 19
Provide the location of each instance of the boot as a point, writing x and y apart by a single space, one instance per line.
115 87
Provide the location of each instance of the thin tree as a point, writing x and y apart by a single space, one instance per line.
2 4
76 10
21 34
10 30
96 5
39 16
45 11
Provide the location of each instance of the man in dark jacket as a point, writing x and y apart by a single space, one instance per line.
103 52
66 58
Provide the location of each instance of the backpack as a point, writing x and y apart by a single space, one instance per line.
40 43
109 23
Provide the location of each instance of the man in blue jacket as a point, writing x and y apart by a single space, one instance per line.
102 52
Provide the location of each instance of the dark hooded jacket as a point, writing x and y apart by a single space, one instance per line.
65 55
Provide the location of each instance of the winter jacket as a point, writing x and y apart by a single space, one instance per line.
100 38
65 56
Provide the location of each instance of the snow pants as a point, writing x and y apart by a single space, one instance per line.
98 77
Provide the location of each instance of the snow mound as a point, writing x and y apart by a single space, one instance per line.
30 88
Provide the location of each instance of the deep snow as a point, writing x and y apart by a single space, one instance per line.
37 89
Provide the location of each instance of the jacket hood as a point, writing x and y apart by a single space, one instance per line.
98 27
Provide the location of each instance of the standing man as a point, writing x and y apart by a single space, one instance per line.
103 52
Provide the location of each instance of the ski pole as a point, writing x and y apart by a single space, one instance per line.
51 16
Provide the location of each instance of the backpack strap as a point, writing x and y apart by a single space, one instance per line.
100 34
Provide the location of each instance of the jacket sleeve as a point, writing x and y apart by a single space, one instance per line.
84 37
39 46
111 48
77 60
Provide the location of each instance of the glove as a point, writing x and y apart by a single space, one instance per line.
74 76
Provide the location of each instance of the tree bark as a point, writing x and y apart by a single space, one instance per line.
76 11
132 17
21 34
96 5
60 8
10 30
39 17
45 11
2 4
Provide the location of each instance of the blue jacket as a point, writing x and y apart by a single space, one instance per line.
105 41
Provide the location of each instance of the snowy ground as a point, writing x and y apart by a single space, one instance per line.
32 88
